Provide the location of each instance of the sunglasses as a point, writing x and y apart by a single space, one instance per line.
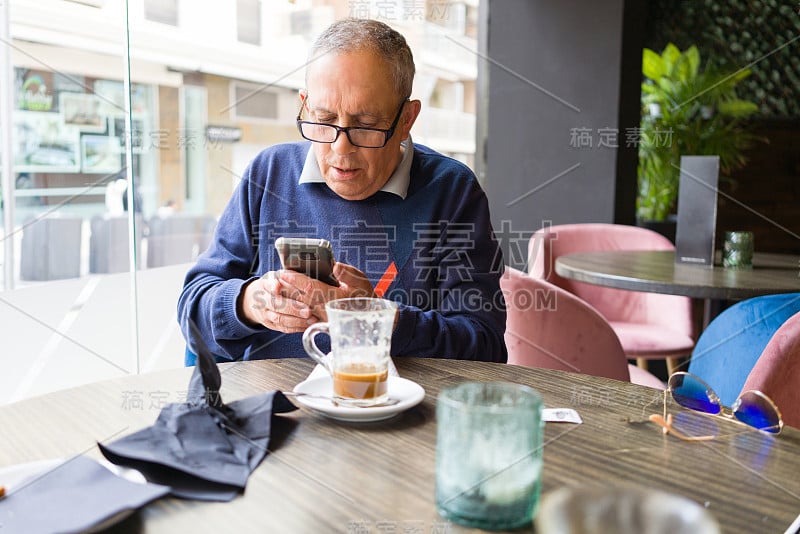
752 408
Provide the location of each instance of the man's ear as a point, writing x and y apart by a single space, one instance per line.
303 94
410 114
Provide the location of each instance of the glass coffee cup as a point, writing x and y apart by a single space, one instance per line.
361 337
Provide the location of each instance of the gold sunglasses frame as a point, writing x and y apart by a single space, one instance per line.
666 421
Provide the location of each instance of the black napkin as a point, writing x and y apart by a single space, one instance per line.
75 496
203 448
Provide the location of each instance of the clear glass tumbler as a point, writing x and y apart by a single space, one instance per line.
489 454
737 250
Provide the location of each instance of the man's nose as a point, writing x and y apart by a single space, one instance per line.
342 144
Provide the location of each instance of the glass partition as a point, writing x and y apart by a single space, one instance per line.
125 128
66 202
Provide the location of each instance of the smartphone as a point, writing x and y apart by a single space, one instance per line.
312 257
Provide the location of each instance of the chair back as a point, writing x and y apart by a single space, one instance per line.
548 327
616 305
109 246
178 238
777 371
51 248
730 346
189 358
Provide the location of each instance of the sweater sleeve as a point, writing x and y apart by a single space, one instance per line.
212 286
466 318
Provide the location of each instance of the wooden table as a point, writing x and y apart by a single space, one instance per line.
655 271
328 476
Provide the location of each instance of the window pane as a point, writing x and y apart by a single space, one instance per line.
248 21
116 167
67 308
163 11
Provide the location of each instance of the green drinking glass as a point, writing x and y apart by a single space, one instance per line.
489 454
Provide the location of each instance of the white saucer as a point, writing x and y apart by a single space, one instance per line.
16 476
409 394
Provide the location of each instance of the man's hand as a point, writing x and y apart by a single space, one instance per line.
289 302
314 294
264 302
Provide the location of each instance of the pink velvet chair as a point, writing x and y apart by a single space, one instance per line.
649 325
551 328
777 371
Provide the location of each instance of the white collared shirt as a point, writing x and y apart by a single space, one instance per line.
396 184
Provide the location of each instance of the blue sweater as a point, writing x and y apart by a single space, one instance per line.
439 238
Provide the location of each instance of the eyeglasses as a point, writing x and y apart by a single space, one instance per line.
752 408
361 137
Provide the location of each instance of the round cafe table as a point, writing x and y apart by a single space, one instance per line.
655 271
331 476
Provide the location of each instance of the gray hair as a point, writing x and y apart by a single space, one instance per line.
351 34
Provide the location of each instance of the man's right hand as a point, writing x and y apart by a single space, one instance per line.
263 304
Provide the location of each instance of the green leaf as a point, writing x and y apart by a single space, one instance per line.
737 108
652 65
670 56
741 75
692 60
668 86
649 89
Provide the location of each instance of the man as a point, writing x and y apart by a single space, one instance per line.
406 223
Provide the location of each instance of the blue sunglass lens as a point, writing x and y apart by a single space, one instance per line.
757 411
691 393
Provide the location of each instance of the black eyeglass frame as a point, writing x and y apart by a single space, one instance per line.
388 133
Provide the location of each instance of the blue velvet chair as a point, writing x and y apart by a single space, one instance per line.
189 358
730 346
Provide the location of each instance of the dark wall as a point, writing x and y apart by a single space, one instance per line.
556 94
764 196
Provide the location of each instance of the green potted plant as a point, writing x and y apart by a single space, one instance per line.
686 110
